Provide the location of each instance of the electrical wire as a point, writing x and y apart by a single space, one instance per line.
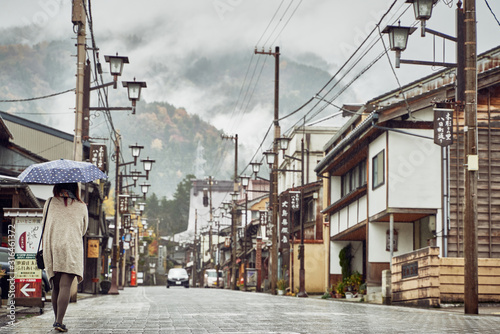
355 61
269 24
277 24
286 23
492 12
39 97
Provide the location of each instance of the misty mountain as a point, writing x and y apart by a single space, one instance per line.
184 138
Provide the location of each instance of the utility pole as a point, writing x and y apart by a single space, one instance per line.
274 173
79 19
211 217
114 262
302 271
233 210
194 248
471 159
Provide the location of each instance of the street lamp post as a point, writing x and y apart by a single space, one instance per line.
136 149
244 182
283 145
466 95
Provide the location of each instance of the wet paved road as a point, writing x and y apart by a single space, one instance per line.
180 310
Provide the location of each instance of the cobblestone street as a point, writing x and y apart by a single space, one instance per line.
180 310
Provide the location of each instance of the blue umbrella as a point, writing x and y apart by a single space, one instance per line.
61 171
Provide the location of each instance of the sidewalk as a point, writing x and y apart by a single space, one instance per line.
27 311
484 308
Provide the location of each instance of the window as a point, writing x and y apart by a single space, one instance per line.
378 170
354 178
310 211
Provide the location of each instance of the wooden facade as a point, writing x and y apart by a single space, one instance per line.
422 278
488 203
381 124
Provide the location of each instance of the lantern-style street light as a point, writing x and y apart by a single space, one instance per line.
283 143
398 39
148 164
423 11
255 168
270 157
145 188
116 66
136 151
134 91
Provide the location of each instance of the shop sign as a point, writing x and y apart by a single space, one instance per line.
284 219
98 156
443 126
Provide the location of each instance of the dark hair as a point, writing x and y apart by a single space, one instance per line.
73 187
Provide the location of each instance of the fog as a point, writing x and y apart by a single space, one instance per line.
161 36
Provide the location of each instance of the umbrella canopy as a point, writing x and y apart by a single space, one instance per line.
61 171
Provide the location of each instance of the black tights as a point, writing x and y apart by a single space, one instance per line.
61 293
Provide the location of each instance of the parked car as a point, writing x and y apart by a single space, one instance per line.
177 277
4 284
211 279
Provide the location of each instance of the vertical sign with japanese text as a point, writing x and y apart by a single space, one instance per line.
443 126
123 204
28 278
284 226
98 156
295 200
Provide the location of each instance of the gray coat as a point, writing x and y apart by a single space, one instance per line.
63 237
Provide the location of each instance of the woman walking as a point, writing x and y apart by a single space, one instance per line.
66 224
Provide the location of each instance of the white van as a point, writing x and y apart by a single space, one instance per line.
211 279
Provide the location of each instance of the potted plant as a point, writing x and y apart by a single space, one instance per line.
362 289
331 291
281 285
339 289
355 280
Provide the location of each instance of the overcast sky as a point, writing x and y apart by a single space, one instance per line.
174 29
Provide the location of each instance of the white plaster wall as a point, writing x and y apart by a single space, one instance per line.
334 224
414 171
378 199
353 214
335 187
335 248
362 208
343 219
377 238
357 252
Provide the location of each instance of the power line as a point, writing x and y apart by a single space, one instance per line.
277 24
491 10
289 18
269 24
40 97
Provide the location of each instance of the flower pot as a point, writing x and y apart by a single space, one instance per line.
105 286
281 292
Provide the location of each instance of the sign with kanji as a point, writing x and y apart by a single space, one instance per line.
27 224
98 156
263 218
284 219
294 200
127 222
443 126
123 204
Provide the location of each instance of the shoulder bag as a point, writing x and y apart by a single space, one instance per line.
39 253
